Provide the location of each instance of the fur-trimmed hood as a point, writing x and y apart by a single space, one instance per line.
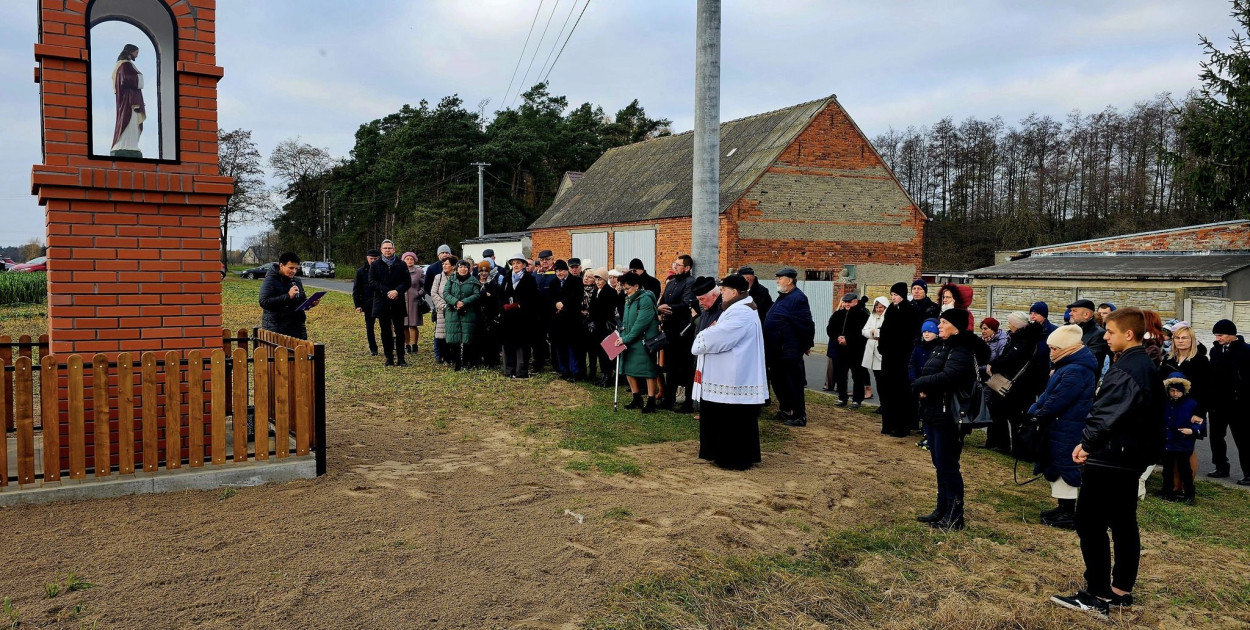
1177 379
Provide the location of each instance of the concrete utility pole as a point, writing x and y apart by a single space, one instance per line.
481 204
705 210
325 221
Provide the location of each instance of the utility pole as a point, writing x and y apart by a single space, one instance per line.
705 209
325 222
481 204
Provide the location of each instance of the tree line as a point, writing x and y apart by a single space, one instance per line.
986 185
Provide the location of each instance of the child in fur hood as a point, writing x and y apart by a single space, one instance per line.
1181 433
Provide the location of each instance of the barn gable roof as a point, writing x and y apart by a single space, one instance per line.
654 179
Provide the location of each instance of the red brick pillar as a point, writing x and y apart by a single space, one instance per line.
133 245
133 249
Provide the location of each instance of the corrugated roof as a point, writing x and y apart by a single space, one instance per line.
1184 228
654 179
498 237
1140 267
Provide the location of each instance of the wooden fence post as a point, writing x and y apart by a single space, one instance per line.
77 434
218 386
261 399
24 399
50 418
239 415
282 404
100 414
173 411
151 456
125 414
195 409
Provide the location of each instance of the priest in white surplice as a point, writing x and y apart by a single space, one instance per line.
730 382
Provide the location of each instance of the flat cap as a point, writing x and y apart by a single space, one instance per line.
575 262
746 271
376 253
546 253
850 297
789 272
1089 304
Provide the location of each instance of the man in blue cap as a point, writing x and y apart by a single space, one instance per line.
789 334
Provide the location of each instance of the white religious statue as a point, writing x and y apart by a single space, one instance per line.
128 89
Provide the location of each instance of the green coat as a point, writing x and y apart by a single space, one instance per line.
641 322
461 325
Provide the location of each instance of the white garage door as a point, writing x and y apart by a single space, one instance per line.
631 244
592 248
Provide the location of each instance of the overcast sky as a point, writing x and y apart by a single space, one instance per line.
318 69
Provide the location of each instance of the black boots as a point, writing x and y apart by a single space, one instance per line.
934 516
650 406
636 403
1063 516
952 519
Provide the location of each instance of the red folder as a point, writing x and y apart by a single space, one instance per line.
610 347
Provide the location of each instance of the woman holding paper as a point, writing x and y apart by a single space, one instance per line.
639 324
730 383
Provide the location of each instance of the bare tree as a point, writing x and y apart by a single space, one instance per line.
238 157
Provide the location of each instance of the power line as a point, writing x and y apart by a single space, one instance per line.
566 40
536 48
572 7
522 55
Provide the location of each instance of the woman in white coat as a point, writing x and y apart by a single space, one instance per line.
872 357
730 381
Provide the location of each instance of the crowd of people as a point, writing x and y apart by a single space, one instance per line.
1095 403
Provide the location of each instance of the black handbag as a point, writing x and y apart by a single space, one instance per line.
971 412
1030 439
656 343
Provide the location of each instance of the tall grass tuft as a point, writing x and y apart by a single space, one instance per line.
23 287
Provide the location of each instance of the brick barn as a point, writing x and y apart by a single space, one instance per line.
800 187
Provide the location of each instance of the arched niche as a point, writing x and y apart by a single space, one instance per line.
111 24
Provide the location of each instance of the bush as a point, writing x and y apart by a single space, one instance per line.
23 287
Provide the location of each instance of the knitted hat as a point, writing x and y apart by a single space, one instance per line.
991 323
376 253
1018 319
561 265
958 317
1224 327
484 266
929 326
1107 305
601 272
919 282
407 254
899 289
1040 308
1065 336
444 249
636 264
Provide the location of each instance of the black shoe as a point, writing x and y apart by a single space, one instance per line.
840 403
650 406
1244 481
1218 473
797 422
686 407
1084 602
931 517
1052 512
877 410
1121 601
401 363
1188 499
856 405
1063 520
389 363
636 403
782 416
373 353
665 403
950 524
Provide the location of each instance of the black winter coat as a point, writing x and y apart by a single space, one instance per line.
1198 372
362 295
762 298
1230 377
279 313
1125 426
1022 350
679 296
384 278
649 283
951 369
925 309
519 309
898 333
1092 338
602 311
849 324
565 325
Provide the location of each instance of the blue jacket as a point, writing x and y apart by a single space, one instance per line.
1179 414
920 356
1066 401
789 330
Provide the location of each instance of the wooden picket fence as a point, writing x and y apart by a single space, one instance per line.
107 416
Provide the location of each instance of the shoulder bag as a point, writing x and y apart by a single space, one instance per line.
1001 385
656 343
972 413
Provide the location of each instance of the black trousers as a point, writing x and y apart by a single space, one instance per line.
540 351
729 435
789 381
899 415
1108 500
1222 422
370 322
1173 461
392 335
678 368
859 376
516 360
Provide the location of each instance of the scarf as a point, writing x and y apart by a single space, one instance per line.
390 262
516 278
1059 354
